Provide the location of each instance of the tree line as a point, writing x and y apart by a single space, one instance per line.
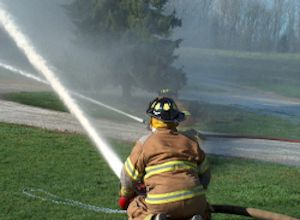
252 25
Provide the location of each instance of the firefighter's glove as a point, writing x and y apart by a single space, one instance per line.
126 196
124 202
140 188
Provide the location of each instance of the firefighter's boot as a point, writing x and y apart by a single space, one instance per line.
197 217
159 217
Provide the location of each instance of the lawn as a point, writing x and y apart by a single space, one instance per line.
230 119
48 100
67 165
272 72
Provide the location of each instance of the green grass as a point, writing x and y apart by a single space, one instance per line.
69 166
46 100
229 119
272 72
64 164
244 54
49 100
260 185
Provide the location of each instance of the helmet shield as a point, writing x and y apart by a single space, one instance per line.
165 109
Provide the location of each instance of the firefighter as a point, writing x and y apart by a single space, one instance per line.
172 167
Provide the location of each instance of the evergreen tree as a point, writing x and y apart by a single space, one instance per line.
136 34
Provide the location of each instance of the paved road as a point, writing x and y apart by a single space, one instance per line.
266 150
12 112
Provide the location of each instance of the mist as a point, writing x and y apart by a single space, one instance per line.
241 53
209 29
46 23
53 34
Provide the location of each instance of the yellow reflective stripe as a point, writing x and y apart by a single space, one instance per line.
174 162
203 166
169 166
174 196
131 171
149 217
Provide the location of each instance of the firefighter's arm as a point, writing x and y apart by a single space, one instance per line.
205 178
204 170
131 173
126 192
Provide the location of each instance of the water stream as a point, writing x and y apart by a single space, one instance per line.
42 66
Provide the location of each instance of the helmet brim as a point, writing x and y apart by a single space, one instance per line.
180 117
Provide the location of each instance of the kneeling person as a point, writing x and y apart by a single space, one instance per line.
172 167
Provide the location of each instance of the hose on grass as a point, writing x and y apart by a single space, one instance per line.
225 209
249 212
47 196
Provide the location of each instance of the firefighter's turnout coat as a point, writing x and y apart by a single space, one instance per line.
172 166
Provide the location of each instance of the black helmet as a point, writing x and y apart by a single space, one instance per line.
165 109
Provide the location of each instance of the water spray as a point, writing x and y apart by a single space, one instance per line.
78 95
41 65
23 73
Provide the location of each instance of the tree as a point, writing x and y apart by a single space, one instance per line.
297 29
291 27
135 37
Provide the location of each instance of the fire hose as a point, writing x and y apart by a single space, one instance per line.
249 212
225 209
